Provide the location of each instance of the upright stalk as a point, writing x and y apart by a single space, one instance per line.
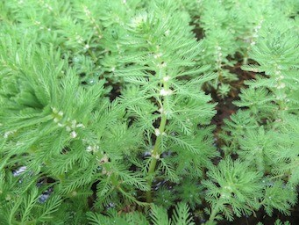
156 152
214 212
155 156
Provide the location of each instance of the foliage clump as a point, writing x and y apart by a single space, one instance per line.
108 110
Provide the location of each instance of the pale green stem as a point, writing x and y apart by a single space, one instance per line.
214 212
156 151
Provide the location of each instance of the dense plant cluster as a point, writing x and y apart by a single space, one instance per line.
107 111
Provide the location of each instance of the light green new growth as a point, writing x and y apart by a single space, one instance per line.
108 111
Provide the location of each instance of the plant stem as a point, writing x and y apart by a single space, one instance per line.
157 147
214 212
155 154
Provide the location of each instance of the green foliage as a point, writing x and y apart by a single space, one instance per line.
278 222
158 216
232 189
114 218
264 131
107 113
279 196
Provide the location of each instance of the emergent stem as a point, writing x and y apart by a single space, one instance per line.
155 156
214 212
157 146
